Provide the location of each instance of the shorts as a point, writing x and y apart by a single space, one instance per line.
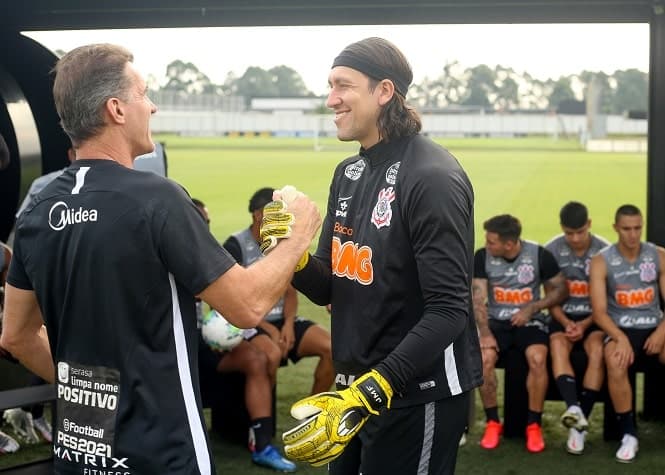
300 326
420 439
556 327
507 335
637 337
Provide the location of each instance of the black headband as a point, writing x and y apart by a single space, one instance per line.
373 70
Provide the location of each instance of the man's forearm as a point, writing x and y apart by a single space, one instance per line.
482 320
586 323
314 281
559 315
479 298
605 322
556 292
35 354
244 295
23 332
290 305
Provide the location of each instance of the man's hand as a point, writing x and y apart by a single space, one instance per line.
331 419
287 338
623 352
522 316
654 343
574 331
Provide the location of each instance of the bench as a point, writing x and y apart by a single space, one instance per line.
228 415
515 405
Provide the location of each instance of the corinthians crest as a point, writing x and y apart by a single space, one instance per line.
647 271
525 273
383 212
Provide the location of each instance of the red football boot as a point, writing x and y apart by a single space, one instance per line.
493 431
534 438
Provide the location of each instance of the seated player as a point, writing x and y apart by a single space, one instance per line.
627 281
508 274
572 324
282 334
253 363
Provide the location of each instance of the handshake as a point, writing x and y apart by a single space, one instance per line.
278 221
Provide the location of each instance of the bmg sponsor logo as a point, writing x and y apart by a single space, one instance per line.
352 261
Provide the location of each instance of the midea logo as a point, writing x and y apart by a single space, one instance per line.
60 216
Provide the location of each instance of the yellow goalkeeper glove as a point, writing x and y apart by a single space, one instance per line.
333 418
276 224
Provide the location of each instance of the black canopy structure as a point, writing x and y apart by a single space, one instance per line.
29 123
72 14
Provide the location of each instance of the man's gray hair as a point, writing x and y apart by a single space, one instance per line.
85 78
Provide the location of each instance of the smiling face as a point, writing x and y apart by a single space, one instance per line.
356 106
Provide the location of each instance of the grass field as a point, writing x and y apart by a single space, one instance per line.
530 178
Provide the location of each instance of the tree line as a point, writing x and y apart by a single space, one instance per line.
494 88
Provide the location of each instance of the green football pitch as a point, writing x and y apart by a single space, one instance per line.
530 178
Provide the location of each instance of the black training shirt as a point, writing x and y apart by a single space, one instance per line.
115 257
395 261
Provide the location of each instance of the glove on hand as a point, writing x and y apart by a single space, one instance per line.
333 418
277 220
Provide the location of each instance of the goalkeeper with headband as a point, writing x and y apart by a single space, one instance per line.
394 261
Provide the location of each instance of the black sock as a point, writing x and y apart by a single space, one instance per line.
260 433
492 414
534 416
626 422
587 400
568 389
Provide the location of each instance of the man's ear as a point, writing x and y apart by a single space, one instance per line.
386 90
115 110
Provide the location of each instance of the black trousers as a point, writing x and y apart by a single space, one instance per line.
417 440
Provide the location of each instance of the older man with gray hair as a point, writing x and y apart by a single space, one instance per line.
103 257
